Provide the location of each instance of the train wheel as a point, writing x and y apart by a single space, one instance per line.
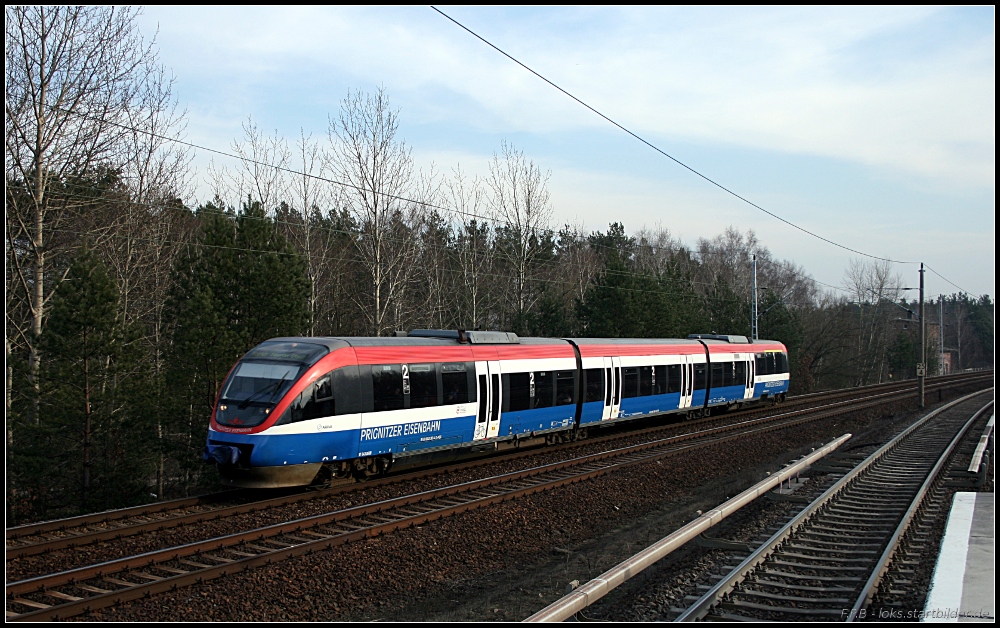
323 478
367 468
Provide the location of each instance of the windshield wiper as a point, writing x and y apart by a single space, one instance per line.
276 385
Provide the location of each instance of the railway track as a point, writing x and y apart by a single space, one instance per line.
45 537
827 562
68 593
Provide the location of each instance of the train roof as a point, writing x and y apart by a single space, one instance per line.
339 342
403 341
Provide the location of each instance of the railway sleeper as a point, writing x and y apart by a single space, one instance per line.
831 550
840 529
318 535
796 576
173 570
813 567
825 557
799 587
809 534
59 595
857 520
738 605
791 598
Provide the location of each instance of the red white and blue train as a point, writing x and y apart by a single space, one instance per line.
296 411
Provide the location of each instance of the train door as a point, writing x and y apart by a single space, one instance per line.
612 388
616 396
488 383
609 387
748 394
687 383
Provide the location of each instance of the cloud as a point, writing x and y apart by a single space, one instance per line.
857 115
877 86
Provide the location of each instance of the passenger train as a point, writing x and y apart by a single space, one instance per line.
298 411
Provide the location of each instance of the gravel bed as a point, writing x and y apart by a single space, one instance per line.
656 596
60 560
506 561
922 554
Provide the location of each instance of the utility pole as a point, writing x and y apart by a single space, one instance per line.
941 334
922 366
753 314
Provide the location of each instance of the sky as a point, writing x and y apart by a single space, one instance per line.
873 127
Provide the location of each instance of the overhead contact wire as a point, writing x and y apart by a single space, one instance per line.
661 151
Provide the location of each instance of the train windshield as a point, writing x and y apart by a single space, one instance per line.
261 379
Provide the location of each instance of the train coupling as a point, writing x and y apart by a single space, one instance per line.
221 454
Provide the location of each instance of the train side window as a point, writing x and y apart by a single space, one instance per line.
387 387
423 386
674 378
782 362
645 381
630 382
347 390
470 373
564 387
700 377
728 374
454 383
315 402
544 389
660 380
772 367
717 376
520 391
741 373
324 388
482 399
760 365
594 379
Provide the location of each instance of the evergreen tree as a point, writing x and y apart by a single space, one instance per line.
729 313
240 285
625 303
88 450
776 321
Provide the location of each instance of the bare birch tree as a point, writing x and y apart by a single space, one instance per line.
300 218
80 81
260 173
377 167
875 289
473 246
520 203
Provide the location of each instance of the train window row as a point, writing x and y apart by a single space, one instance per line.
538 389
643 381
388 387
771 363
401 386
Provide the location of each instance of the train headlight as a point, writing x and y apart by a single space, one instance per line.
222 407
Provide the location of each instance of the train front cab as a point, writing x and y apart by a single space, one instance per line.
772 377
